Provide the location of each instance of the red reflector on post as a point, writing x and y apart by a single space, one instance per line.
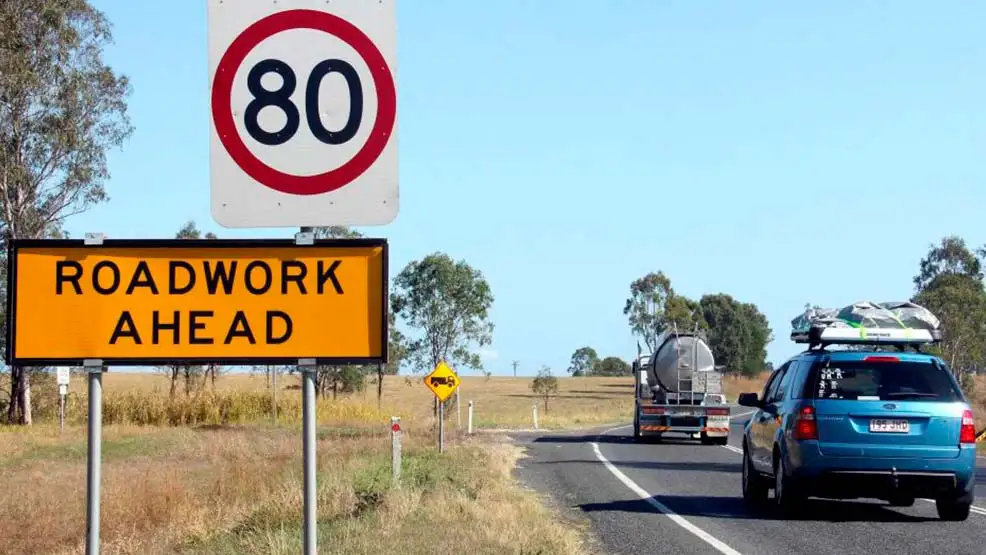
396 427
881 358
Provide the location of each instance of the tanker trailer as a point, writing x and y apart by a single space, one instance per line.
678 389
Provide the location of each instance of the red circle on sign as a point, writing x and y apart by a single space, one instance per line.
396 427
222 111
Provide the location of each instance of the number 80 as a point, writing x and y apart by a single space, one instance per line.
281 98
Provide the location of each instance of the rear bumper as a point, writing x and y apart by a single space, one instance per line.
884 478
712 427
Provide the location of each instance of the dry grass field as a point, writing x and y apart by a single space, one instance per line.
211 473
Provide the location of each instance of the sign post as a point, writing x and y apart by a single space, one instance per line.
308 368
443 382
94 455
307 150
62 375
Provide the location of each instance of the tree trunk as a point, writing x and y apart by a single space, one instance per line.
379 385
20 402
15 410
26 417
174 381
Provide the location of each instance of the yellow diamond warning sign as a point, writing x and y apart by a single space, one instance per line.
442 381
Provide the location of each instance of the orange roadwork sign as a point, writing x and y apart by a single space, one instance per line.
223 301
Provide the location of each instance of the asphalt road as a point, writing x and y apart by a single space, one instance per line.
684 497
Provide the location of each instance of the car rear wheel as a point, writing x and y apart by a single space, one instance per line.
952 509
787 498
754 486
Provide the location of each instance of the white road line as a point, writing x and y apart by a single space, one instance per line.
675 517
975 509
732 416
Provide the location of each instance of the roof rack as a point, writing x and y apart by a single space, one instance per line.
900 324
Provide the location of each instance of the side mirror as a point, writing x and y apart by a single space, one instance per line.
749 400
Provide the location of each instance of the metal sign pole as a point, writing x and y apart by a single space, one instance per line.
441 426
307 367
94 368
273 369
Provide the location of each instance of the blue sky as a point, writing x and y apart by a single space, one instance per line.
779 152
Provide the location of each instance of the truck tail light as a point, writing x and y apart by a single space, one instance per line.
718 411
805 425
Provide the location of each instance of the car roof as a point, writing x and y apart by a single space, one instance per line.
860 355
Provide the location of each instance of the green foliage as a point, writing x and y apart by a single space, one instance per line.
545 385
447 302
738 333
336 232
611 366
61 109
684 313
646 308
584 359
397 346
949 283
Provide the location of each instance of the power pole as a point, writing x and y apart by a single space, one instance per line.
515 363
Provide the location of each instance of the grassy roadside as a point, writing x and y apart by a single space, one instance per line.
238 491
209 473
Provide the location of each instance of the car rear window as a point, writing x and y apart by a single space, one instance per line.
883 381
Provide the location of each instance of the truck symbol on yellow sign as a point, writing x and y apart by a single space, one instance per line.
442 381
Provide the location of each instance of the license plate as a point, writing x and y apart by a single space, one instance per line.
890 426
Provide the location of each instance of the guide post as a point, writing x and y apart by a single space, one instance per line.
63 375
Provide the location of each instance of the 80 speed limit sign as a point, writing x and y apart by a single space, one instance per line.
304 112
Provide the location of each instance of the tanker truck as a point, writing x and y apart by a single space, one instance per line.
678 389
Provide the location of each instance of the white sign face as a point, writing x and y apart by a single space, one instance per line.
62 374
303 112
62 389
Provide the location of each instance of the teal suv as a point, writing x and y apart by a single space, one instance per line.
861 424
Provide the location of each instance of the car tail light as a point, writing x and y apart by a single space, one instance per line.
967 434
881 358
805 426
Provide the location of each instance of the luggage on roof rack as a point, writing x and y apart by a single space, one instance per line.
865 322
